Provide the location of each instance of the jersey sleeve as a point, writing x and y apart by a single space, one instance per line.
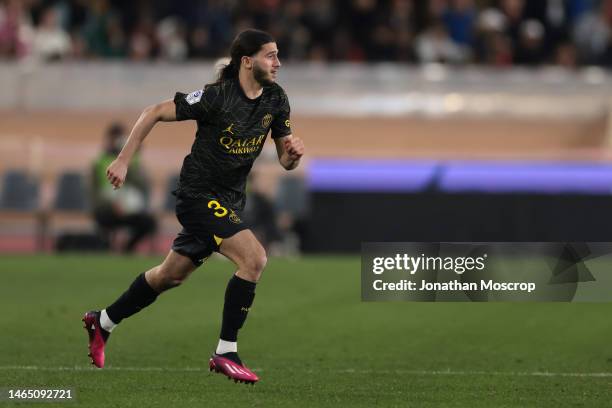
198 105
281 125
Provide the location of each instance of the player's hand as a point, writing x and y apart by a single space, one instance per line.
116 172
294 147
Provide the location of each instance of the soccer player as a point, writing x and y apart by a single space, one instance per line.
234 115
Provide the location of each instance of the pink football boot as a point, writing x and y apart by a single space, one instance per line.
229 364
97 337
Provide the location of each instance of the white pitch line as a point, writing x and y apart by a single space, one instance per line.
342 371
476 373
111 368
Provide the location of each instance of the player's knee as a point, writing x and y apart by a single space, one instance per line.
154 278
173 282
255 264
169 278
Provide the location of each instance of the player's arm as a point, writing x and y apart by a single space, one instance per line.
290 150
161 112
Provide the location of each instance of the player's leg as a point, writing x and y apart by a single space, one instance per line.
250 258
147 286
142 292
175 269
214 226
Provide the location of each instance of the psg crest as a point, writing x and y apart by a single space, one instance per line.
267 119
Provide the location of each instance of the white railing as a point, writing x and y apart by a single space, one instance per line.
339 90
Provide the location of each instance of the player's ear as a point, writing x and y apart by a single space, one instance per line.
247 62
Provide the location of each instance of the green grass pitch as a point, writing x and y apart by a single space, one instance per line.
309 337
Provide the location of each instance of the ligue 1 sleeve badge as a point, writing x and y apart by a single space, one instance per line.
194 97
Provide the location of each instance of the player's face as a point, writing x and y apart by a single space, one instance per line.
266 64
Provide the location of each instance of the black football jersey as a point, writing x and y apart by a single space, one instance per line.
231 133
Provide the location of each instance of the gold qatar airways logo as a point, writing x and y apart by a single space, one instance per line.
242 146
267 119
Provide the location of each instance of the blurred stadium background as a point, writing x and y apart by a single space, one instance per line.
424 120
458 120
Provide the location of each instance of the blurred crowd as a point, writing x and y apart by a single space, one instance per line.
490 32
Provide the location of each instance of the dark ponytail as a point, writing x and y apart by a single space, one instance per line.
247 43
229 71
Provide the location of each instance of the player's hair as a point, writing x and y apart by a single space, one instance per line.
247 43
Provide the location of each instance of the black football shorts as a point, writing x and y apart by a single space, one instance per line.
206 222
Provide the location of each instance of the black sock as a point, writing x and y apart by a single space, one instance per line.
138 296
232 355
239 297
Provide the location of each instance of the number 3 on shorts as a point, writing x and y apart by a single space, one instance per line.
220 211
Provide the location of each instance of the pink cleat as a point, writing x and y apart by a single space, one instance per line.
97 337
229 364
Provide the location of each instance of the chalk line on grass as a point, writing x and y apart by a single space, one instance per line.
448 372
